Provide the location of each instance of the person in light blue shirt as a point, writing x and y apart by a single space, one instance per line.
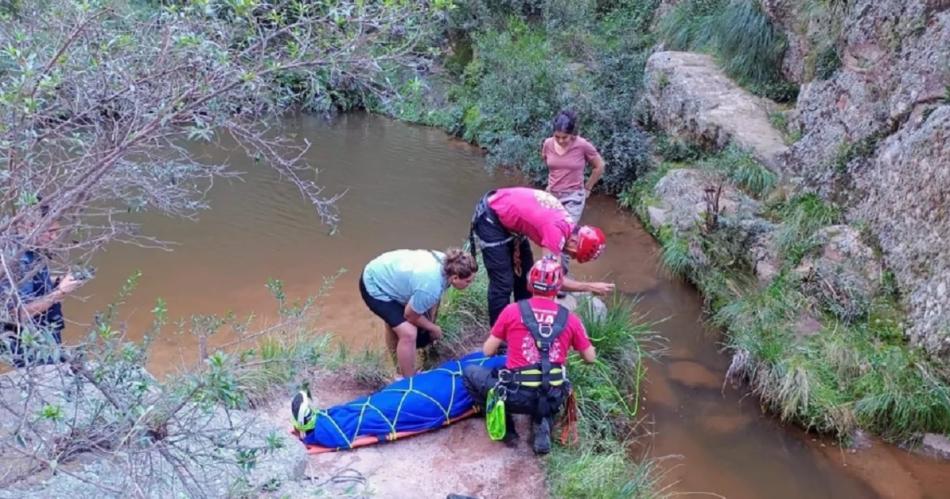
403 287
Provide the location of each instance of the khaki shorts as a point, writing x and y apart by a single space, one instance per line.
573 202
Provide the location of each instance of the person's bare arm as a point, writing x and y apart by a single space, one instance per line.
491 346
597 171
421 321
589 354
43 303
597 288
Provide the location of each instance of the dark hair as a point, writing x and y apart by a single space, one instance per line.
459 263
566 122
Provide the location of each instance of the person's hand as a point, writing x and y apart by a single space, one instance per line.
586 193
600 288
436 334
69 283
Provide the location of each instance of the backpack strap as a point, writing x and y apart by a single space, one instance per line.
544 336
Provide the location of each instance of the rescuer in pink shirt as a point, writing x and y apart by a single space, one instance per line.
506 220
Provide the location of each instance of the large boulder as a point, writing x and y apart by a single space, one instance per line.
690 97
905 197
844 274
682 199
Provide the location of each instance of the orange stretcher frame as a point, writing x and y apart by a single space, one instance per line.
367 440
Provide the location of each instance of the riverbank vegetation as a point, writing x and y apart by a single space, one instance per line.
512 70
851 367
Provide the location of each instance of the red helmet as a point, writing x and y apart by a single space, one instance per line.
546 277
590 243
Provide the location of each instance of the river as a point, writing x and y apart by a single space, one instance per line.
414 187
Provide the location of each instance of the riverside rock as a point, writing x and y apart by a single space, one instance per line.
690 97
845 274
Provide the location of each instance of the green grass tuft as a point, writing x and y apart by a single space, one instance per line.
675 255
747 45
608 394
803 215
743 170
593 473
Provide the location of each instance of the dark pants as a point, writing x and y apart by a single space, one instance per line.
521 400
393 314
499 261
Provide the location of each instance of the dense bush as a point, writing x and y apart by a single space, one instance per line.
586 56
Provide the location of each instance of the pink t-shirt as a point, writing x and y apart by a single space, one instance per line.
566 171
534 213
522 350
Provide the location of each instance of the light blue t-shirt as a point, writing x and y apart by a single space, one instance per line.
407 276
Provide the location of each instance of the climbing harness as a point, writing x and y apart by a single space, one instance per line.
482 209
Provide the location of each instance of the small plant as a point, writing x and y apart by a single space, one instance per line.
827 63
779 120
675 256
849 151
368 368
675 149
802 216
711 195
743 169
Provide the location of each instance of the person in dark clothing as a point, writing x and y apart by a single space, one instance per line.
32 328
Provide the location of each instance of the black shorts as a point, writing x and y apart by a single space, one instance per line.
392 313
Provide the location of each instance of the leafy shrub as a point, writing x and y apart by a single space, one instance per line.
519 80
827 63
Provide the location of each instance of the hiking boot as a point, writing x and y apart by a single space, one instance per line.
511 437
542 437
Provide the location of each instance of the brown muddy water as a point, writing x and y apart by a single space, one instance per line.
412 187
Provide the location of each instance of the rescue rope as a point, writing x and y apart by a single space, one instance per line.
393 422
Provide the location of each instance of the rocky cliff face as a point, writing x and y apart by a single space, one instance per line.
873 116
905 197
875 137
895 61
